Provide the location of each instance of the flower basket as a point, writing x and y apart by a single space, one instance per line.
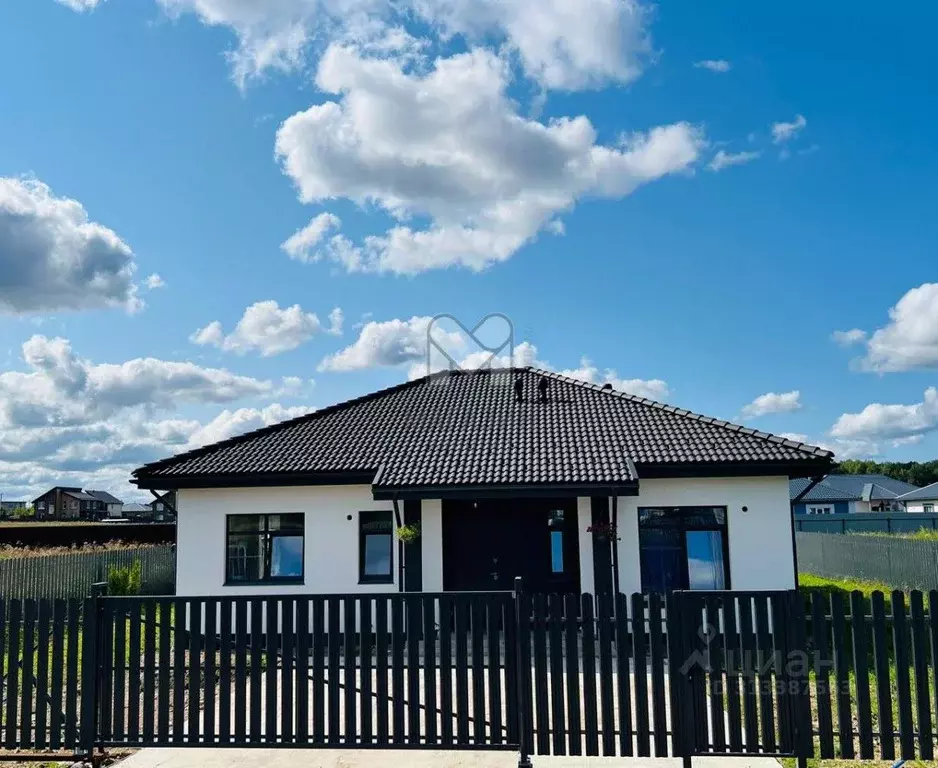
603 532
408 533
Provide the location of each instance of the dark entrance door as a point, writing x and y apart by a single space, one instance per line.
486 544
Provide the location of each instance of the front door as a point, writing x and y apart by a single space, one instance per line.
486 544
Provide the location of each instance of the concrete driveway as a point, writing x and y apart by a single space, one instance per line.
320 758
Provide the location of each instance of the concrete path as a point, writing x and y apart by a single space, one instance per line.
320 758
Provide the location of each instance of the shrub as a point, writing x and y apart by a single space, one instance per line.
124 580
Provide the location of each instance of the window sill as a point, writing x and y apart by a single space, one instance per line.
266 583
371 582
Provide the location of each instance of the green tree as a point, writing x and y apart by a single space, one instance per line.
915 472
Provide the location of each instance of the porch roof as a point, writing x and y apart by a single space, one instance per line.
486 431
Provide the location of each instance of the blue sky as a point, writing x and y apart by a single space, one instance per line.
685 199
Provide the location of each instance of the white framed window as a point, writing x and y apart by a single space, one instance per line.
928 507
820 509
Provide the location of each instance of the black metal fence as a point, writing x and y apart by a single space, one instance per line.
731 673
867 522
891 560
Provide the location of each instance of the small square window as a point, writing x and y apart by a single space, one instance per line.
928 508
375 548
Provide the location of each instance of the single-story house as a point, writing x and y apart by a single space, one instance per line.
921 499
848 494
481 477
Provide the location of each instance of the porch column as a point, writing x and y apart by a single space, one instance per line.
413 550
602 547
585 539
431 534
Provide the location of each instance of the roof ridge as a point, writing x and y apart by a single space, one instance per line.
647 402
271 428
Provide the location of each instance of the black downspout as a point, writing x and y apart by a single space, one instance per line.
615 547
794 546
400 547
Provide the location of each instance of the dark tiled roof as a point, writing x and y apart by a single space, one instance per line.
928 493
467 429
852 488
104 496
820 492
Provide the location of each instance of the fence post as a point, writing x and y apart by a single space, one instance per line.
89 675
524 756
681 691
800 698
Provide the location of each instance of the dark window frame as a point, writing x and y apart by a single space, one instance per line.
682 514
268 536
368 516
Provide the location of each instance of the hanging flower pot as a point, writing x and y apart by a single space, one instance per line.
408 533
603 532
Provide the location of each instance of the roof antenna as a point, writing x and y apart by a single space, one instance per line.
542 385
519 390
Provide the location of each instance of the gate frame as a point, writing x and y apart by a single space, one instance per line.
687 685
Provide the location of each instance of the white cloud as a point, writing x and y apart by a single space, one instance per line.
652 389
80 5
890 422
910 340
773 402
558 43
62 389
403 343
52 258
301 246
154 281
447 144
724 159
387 344
714 65
849 338
67 420
230 423
782 132
264 328
336 322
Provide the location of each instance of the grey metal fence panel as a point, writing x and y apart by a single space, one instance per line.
72 574
867 522
891 560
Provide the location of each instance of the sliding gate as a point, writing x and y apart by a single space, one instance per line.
340 671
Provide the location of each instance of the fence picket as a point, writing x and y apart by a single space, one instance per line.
558 726
883 685
318 674
133 674
819 640
900 631
841 676
256 653
446 673
42 674
56 687
414 634
366 643
302 670
641 675
12 669
658 697
715 677
210 679
493 643
26 666
606 696
541 682
920 666
271 637
348 669
381 670
861 673
240 670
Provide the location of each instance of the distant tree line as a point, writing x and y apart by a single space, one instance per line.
915 472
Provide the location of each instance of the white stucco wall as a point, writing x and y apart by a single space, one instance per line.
760 545
760 542
331 540
919 506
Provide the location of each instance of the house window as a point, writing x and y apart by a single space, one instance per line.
928 508
264 548
823 509
41 506
556 526
375 548
683 548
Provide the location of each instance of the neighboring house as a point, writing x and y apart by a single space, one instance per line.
105 505
162 510
848 494
921 499
64 503
508 472
8 507
135 511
